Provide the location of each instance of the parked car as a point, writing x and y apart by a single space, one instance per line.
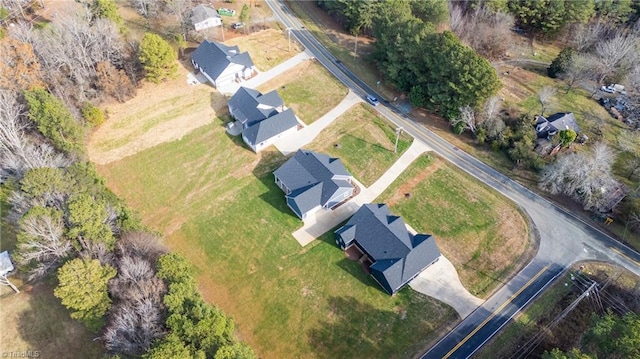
238 25
372 100
608 89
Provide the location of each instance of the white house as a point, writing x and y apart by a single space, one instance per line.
221 64
204 17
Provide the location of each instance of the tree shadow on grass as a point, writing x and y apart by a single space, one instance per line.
353 330
45 326
270 160
353 268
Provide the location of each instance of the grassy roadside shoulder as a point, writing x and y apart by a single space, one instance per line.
478 230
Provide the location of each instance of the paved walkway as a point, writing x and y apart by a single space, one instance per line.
263 77
440 280
290 144
324 220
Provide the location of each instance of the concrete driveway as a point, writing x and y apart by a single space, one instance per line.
291 144
440 280
324 220
263 77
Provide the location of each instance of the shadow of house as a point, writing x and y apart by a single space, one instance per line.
270 160
312 181
383 243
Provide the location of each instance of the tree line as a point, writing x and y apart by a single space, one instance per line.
113 274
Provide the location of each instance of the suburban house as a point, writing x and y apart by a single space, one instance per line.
263 119
547 127
204 17
312 181
384 245
222 64
249 106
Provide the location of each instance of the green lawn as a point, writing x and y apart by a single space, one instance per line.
217 204
366 142
309 89
478 230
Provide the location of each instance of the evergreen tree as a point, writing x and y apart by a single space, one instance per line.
157 58
54 120
83 290
561 63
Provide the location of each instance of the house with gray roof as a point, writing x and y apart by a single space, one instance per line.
249 106
204 17
547 127
222 64
262 134
262 119
388 250
312 181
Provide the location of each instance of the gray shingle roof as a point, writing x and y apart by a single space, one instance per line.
556 122
249 106
398 255
202 12
270 127
313 179
213 58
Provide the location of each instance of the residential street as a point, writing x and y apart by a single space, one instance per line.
564 238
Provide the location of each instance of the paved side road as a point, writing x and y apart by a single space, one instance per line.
324 220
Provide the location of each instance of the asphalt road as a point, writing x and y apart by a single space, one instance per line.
564 238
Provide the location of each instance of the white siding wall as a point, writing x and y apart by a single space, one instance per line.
261 146
229 74
210 22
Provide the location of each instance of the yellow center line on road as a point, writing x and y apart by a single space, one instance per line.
624 255
495 312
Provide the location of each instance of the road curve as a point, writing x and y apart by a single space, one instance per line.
564 238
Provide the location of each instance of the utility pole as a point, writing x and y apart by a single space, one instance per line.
289 37
355 53
398 132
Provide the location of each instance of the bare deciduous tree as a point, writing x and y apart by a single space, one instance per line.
181 9
147 8
544 95
18 152
586 36
467 118
69 50
584 176
141 244
41 242
137 317
133 325
618 52
582 67
484 30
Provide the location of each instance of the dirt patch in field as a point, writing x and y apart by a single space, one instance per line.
158 114
401 192
516 83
